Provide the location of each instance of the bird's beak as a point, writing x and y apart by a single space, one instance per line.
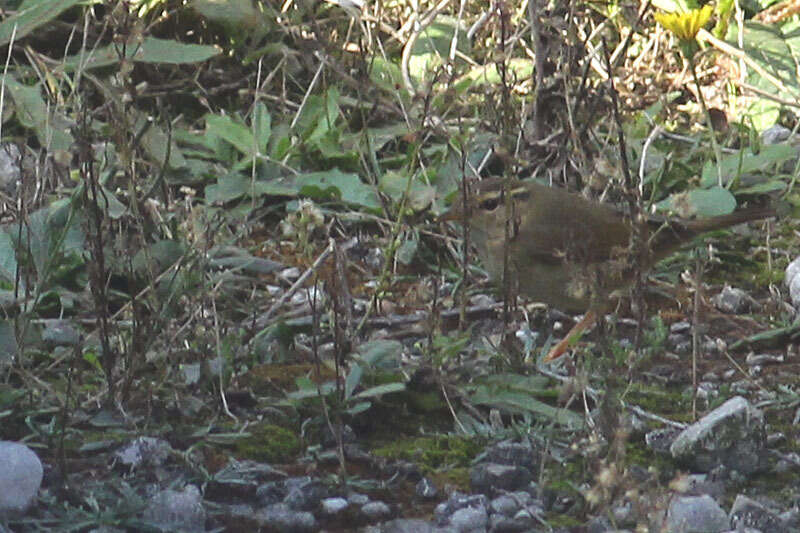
453 215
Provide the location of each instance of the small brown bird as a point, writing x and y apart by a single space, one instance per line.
567 251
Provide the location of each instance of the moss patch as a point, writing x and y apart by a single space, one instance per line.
269 443
432 453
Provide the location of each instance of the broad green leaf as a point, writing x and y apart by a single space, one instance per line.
764 187
407 251
520 68
530 384
151 50
233 131
380 390
360 407
109 203
337 184
40 238
8 342
395 185
380 353
388 77
156 143
162 254
327 117
8 258
352 380
747 162
522 402
262 126
311 392
230 13
763 113
51 128
60 212
702 202
30 16
227 188
433 45
776 50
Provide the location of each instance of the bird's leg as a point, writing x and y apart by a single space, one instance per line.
585 323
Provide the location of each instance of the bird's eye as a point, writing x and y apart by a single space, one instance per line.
490 204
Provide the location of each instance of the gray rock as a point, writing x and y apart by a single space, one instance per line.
425 489
403 525
794 291
280 517
732 435
457 501
679 342
58 332
174 510
376 511
245 480
792 280
304 493
775 134
763 359
470 519
489 477
499 523
10 171
699 484
20 478
356 498
143 451
660 440
746 512
792 270
733 301
681 327
334 506
515 454
696 514
506 505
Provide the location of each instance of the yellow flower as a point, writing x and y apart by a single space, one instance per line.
685 25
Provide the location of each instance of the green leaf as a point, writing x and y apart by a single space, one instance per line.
150 50
380 353
262 125
230 13
433 45
233 131
39 240
395 184
8 342
51 128
337 184
227 188
702 202
521 402
360 407
407 251
162 254
776 50
388 77
747 162
352 380
155 142
380 390
8 258
109 203
30 16
763 187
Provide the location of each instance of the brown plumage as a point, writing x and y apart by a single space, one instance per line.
567 251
